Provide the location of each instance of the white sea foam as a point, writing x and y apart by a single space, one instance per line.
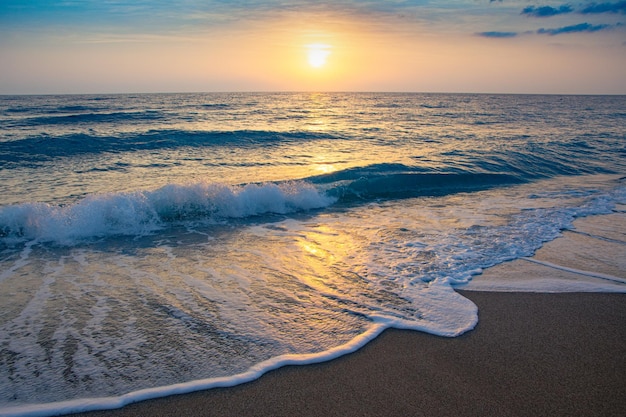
544 285
590 274
19 263
107 403
451 314
141 212
191 296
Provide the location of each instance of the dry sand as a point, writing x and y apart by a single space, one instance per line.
530 355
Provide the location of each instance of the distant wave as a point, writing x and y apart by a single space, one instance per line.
43 148
142 212
81 114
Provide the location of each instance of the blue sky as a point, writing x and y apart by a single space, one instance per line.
74 46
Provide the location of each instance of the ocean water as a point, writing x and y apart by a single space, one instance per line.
164 243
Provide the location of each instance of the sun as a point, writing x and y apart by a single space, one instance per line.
317 54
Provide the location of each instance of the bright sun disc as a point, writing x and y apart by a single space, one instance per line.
317 54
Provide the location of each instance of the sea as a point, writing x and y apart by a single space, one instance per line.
155 244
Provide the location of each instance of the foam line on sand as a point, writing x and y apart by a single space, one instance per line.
530 354
577 271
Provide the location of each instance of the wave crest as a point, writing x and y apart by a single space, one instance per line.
142 212
397 181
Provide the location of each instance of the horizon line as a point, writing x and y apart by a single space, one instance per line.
118 93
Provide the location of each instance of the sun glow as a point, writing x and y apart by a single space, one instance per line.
317 54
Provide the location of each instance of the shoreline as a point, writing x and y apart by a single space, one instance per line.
551 354
530 354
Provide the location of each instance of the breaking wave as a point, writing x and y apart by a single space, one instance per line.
142 212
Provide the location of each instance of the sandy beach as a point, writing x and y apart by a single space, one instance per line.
531 354
312 208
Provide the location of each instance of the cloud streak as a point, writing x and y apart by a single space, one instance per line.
589 8
496 34
595 8
581 27
546 11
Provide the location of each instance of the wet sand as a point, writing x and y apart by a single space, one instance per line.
531 354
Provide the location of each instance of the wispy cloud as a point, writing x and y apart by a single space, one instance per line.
157 16
588 8
581 27
143 19
594 8
495 34
546 11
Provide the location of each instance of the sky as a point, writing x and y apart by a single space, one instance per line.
475 46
